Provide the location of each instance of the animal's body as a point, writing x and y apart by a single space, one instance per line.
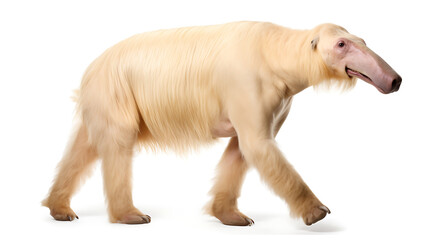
180 88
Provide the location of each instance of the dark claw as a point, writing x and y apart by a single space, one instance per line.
69 218
146 218
316 215
77 217
250 221
326 209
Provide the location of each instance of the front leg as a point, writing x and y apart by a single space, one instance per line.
256 128
231 171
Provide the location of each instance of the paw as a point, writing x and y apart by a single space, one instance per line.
316 214
63 214
235 218
135 219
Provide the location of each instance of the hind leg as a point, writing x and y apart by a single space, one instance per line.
231 171
116 151
75 165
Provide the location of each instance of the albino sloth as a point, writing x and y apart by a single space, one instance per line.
177 89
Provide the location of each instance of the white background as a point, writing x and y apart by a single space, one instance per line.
364 154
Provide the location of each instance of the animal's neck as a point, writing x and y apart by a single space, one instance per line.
291 58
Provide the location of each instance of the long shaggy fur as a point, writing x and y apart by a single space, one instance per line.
180 88
170 81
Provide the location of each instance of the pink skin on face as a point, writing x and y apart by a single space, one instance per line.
361 62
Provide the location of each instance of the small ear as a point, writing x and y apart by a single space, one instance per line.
314 42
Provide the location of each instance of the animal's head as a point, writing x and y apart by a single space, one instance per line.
347 57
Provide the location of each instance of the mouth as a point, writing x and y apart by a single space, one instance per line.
353 73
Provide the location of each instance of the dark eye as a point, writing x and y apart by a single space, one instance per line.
341 44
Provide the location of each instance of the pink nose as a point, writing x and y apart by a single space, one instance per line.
396 83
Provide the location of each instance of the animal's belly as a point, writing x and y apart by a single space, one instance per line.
223 128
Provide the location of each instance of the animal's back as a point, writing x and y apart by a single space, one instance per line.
168 83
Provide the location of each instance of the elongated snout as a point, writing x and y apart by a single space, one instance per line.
363 63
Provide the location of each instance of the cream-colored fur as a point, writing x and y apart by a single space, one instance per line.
180 88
